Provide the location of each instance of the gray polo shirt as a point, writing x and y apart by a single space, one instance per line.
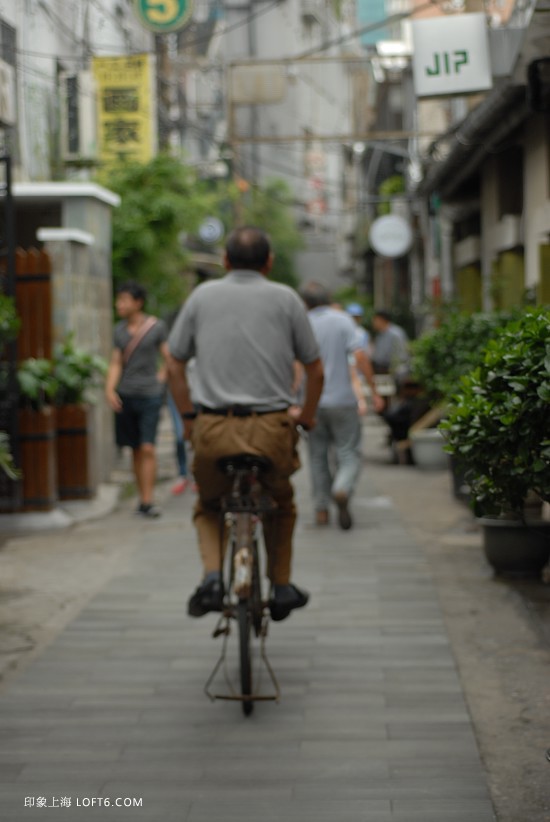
245 332
139 375
391 349
337 337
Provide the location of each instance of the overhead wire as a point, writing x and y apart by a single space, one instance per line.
329 185
238 24
370 27
358 32
197 41
58 21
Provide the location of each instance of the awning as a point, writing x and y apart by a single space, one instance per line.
500 113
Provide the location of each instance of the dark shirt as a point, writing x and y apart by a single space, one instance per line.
139 375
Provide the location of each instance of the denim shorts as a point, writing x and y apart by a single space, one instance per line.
137 423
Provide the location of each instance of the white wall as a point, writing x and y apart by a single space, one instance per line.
536 199
52 35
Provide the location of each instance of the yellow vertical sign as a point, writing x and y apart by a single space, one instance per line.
126 108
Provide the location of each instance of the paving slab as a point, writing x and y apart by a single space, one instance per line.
372 725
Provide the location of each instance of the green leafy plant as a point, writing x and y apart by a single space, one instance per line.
270 208
390 187
498 422
76 372
6 459
9 321
442 356
160 201
37 383
65 379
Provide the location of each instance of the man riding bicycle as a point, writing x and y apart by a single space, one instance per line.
246 334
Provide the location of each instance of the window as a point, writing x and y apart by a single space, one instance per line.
7 43
510 181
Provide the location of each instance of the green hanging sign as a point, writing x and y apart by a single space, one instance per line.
163 16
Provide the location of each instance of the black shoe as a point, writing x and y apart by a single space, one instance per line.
284 599
344 517
208 597
148 510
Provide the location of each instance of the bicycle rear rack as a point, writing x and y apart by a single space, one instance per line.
223 628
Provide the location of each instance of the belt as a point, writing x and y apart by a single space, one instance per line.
237 411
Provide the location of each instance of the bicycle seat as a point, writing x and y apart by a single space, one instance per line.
236 462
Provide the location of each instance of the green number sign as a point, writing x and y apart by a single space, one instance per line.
163 16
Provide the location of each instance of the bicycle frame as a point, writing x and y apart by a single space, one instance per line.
241 523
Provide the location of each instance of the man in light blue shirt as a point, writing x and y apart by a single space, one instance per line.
338 422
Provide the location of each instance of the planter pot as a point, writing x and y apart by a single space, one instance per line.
427 449
38 458
76 474
513 548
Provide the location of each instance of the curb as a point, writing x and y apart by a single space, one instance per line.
65 515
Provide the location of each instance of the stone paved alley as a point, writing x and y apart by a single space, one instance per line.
391 697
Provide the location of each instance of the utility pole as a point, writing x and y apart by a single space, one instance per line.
252 49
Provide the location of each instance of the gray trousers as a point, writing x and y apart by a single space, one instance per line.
335 439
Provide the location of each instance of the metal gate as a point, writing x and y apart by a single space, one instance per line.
10 492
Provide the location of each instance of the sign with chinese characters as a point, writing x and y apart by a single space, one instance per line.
126 108
451 55
163 16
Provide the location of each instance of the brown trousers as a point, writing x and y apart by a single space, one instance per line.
268 435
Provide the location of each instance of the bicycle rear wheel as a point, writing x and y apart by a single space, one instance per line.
245 625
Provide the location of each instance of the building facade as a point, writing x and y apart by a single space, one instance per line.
271 92
43 43
486 182
49 128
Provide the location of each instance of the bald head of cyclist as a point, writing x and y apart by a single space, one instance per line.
248 249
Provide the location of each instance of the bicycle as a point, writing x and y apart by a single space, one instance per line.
243 510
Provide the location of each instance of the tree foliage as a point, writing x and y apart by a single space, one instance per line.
270 208
163 200
390 187
443 355
352 294
160 201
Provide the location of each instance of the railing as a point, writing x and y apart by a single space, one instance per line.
10 492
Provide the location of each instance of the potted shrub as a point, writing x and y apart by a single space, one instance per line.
440 358
77 372
37 389
498 427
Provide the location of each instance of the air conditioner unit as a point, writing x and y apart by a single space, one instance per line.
78 116
7 95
